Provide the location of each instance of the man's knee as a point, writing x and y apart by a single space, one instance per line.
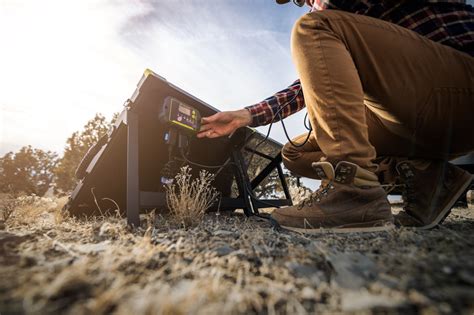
299 160
305 27
289 155
302 28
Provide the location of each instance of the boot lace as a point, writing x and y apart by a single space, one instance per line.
316 196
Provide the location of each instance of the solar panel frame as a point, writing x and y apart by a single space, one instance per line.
103 179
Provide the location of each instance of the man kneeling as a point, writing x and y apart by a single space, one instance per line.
389 90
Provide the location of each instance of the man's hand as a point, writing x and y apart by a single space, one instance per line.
224 123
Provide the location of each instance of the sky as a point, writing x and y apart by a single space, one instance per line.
63 61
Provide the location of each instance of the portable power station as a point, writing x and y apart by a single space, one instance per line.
183 122
180 115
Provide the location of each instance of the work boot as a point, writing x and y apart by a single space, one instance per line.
350 199
431 190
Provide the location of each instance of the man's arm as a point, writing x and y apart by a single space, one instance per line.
278 106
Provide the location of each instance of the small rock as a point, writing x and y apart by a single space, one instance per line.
302 271
447 270
466 277
388 281
91 248
445 308
223 233
353 270
309 272
51 234
418 298
354 301
308 293
27 261
223 250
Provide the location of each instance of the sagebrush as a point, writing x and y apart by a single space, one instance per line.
188 198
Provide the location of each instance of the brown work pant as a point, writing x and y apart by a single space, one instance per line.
373 88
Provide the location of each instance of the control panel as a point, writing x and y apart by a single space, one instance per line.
180 115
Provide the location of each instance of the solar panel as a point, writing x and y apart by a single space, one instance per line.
122 172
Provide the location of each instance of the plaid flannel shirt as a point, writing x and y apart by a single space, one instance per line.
449 22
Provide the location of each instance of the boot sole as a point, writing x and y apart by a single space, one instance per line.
381 227
447 209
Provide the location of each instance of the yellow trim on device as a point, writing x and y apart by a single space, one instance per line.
147 72
182 125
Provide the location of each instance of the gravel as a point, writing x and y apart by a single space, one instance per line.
231 264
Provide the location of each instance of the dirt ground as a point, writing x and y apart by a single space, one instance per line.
228 264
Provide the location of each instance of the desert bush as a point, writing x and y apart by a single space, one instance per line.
29 209
189 198
8 205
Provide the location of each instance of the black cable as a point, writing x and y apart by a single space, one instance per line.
289 139
203 165
228 162
308 126
277 114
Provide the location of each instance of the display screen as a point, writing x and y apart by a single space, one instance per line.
184 110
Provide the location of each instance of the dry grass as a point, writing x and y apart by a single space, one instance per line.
8 205
188 198
228 264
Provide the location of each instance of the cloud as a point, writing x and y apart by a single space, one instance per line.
67 60
228 53
63 62
210 50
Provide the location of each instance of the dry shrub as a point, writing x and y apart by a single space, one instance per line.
188 198
8 205
30 209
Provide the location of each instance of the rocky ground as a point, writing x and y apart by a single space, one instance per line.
228 264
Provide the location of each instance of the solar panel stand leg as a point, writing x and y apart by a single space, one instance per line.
243 183
284 184
133 184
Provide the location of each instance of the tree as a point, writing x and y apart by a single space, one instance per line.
27 171
76 147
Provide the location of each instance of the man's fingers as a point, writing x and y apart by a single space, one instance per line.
214 135
205 127
208 134
210 119
206 131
